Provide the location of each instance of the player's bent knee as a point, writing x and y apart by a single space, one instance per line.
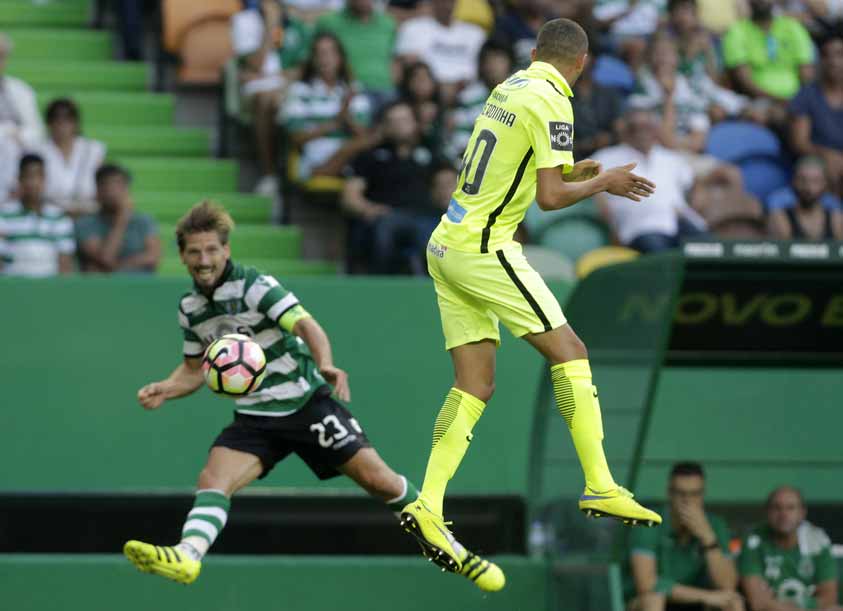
211 478
480 390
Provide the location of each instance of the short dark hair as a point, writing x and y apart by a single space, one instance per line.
561 40
828 36
687 467
495 46
28 160
204 216
672 5
107 170
384 110
60 105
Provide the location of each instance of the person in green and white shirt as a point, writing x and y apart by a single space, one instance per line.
786 564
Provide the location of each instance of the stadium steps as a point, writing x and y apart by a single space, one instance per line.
280 268
181 174
168 207
61 45
80 75
152 140
53 13
117 108
249 241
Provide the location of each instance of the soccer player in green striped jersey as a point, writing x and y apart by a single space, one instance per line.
292 411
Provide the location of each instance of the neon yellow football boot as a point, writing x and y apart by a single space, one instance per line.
618 504
486 575
431 532
162 560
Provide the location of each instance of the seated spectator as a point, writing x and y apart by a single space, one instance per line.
769 55
807 211
368 35
36 238
19 117
597 110
388 197
323 114
519 25
666 216
117 238
684 564
697 54
630 23
717 16
255 38
786 564
424 95
494 65
448 46
71 160
817 126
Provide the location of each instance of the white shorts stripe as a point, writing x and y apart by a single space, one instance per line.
215 512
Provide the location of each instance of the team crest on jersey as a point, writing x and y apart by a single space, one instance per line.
561 136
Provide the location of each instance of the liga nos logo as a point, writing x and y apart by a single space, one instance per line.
561 136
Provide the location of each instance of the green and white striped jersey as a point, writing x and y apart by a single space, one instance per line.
252 303
31 242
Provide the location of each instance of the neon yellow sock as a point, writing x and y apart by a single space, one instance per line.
577 401
451 436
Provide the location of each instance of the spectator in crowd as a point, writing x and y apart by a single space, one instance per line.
684 564
368 36
697 54
519 25
388 195
255 38
666 216
495 64
448 46
769 55
117 238
295 43
717 16
807 210
421 91
71 160
36 238
19 117
597 110
630 23
786 564
325 117
309 11
443 183
817 126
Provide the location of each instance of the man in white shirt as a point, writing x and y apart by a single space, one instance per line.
36 239
19 117
659 222
448 46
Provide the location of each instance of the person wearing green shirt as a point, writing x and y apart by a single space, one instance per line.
769 56
786 564
683 564
368 36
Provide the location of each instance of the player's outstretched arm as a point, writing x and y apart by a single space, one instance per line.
320 346
185 379
553 193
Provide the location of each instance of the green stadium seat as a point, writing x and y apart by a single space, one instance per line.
151 140
80 75
168 207
575 235
180 174
28 14
280 268
61 45
537 220
249 242
116 108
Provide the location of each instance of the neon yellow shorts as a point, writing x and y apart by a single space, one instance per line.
477 290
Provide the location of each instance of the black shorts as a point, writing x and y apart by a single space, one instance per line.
323 433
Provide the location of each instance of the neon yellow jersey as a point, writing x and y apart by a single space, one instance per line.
527 124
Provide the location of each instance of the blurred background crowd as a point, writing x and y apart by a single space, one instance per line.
348 120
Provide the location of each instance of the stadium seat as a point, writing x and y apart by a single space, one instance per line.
63 45
735 141
603 257
537 220
150 140
250 241
29 14
575 235
610 71
168 207
80 75
762 176
117 108
199 34
550 264
181 174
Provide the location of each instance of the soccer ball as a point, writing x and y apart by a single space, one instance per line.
234 365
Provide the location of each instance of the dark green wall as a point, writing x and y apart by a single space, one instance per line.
77 350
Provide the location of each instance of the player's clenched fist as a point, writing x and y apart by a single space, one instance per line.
624 183
152 395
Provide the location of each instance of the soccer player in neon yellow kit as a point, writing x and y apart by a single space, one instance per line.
521 150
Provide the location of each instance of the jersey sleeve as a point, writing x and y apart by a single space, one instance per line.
193 346
803 45
750 561
269 298
550 128
735 51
